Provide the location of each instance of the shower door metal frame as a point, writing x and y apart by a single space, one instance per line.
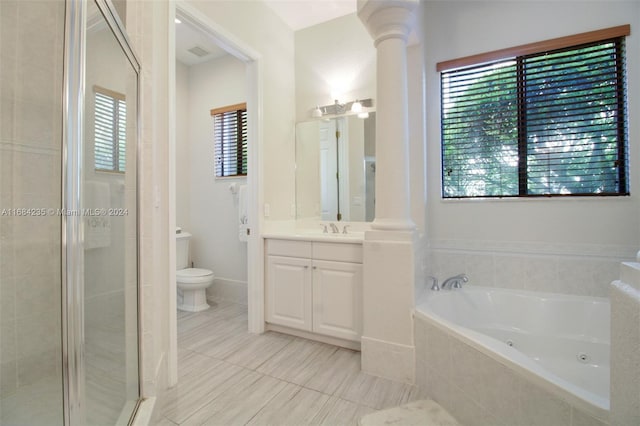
72 249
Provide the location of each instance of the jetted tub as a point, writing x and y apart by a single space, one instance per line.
558 342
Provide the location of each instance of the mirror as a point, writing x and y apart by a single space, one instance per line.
335 169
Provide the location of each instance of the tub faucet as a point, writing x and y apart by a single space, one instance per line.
434 286
334 228
455 282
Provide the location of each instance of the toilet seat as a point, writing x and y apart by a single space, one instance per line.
193 275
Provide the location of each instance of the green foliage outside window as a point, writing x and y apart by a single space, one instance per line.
540 125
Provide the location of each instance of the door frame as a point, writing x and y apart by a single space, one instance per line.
255 193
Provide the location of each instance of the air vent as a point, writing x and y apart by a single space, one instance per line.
199 51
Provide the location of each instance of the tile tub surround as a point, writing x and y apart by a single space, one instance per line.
584 270
625 346
479 390
229 376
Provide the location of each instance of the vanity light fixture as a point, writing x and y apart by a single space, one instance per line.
337 108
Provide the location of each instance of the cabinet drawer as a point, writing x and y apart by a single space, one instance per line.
289 248
338 251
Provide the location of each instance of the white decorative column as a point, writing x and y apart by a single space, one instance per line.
389 249
389 23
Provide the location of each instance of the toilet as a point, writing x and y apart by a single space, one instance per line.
192 282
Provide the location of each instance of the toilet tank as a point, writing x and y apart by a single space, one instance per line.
182 250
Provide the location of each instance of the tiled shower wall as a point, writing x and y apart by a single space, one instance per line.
31 49
569 269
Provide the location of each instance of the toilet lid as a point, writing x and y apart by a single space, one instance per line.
193 272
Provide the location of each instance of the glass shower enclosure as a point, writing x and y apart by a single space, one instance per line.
69 313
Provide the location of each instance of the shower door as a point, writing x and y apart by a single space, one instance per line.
108 201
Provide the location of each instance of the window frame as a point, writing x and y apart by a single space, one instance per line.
241 143
115 147
518 54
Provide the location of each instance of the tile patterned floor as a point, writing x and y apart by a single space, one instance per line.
228 376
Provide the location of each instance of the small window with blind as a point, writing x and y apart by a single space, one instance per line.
230 140
110 130
547 119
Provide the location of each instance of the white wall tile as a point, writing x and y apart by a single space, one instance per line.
567 269
539 408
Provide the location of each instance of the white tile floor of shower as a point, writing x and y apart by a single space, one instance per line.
228 376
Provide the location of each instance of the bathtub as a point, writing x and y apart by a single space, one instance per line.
559 344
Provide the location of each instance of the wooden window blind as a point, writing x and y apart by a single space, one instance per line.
542 124
230 140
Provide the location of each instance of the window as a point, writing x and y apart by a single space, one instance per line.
547 123
110 130
230 140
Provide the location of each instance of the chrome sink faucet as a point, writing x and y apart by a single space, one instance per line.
334 228
455 282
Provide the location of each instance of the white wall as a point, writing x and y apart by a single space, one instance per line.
333 58
205 203
149 33
541 243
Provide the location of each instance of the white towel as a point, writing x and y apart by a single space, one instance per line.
243 219
97 226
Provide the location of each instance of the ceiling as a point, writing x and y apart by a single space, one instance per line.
297 14
187 37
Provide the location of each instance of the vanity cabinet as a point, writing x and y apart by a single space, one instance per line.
288 292
315 287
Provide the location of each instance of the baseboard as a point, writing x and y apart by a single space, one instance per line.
230 290
390 360
314 336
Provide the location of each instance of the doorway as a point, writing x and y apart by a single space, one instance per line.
209 206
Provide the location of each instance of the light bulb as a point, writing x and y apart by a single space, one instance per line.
356 107
316 113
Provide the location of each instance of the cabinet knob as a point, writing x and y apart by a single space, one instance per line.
315 267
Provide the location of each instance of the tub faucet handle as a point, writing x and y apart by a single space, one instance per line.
434 286
455 282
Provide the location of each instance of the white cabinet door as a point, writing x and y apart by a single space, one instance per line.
289 292
337 299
